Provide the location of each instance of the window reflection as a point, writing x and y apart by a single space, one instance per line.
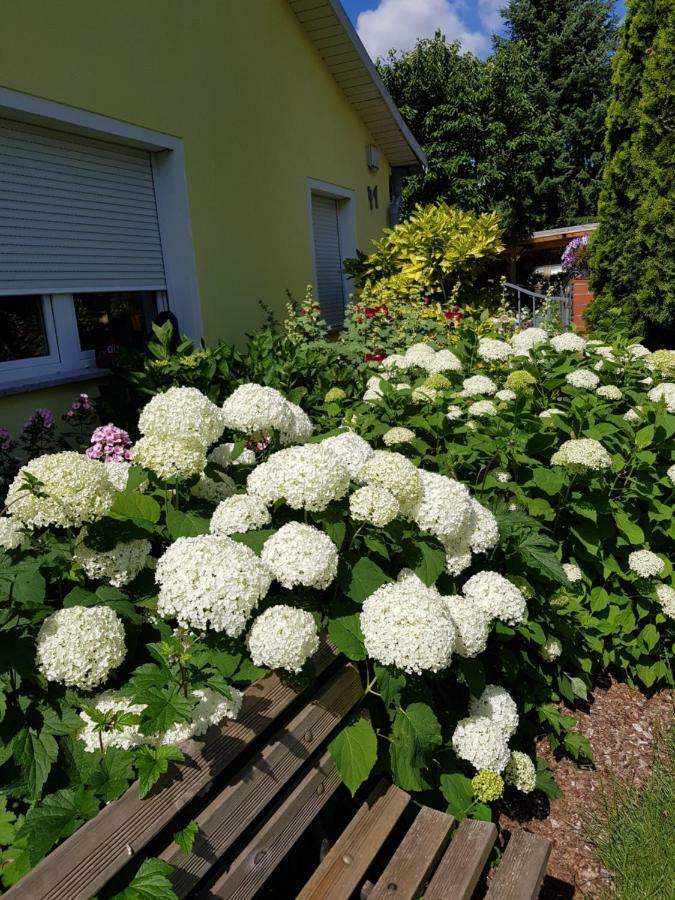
22 329
109 322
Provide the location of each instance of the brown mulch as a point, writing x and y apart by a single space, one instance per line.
621 724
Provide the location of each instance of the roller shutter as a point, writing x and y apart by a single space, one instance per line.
76 214
328 259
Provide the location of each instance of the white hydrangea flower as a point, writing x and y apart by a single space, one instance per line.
523 341
581 454
126 738
170 458
80 646
300 554
398 436
395 361
521 772
647 380
609 392
239 514
493 350
478 385
665 392
457 552
636 351
503 477
671 473
483 409
255 409
210 709
568 342
454 412
301 426
11 533
442 361
632 416
214 489
309 476
118 566
601 350
484 534
374 504
472 626
550 649
425 394
666 597
548 413
573 572
645 563
407 625
497 705
352 451
397 474
444 506
583 379
419 354
182 412
496 596
480 742
118 474
76 490
283 637
222 456
506 396
210 581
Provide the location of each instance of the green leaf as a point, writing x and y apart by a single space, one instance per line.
254 539
546 782
185 524
113 775
332 522
644 437
632 531
151 882
416 731
535 551
131 505
579 687
56 817
164 707
7 819
474 674
390 683
458 793
364 578
185 838
345 632
578 746
354 751
550 481
247 673
152 763
427 559
35 753
29 587
650 636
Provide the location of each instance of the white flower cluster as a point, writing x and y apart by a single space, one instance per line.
609 392
397 474
182 413
214 489
472 626
524 341
550 649
210 580
632 416
549 413
645 563
506 395
79 646
11 533
521 773
482 738
496 597
453 412
210 708
483 409
283 637
568 342
309 477
478 385
665 392
238 514
573 572
351 450
73 490
124 738
257 410
581 454
636 351
583 379
443 507
671 473
398 436
300 554
478 535
373 504
424 357
222 456
492 350
118 474
180 458
666 597
408 625
118 566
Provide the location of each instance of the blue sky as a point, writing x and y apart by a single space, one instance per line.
397 23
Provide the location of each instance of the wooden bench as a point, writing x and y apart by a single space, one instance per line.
272 823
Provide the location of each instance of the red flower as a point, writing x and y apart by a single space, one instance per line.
374 357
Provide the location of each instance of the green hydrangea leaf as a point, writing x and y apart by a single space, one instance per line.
354 751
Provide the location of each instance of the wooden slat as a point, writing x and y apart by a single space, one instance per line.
416 858
261 780
345 866
520 874
258 860
83 864
461 866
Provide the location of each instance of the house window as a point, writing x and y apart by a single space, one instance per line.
333 240
22 329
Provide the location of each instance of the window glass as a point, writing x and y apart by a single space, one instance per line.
22 329
114 320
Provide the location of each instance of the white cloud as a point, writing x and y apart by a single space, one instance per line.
489 13
397 24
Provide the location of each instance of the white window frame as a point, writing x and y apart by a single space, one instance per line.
346 210
168 170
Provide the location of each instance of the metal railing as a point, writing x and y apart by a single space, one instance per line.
540 305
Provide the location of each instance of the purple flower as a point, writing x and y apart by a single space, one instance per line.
7 442
40 420
109 443
571 255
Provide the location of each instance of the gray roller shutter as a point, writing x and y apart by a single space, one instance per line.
328 259
76 214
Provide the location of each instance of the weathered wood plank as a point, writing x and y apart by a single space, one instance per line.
462 863
346 864
520 873
416 858
262 779
83 864
258 860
